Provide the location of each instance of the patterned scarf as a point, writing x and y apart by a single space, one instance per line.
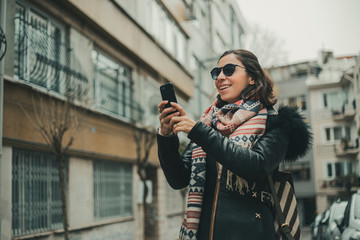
243 122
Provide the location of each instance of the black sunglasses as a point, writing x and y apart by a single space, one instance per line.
228 70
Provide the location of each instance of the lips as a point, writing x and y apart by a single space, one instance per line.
223 87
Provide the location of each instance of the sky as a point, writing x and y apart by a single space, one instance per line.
308 26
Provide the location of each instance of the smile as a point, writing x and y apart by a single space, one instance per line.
224 87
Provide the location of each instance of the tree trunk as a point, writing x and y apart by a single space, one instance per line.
60 158
146 190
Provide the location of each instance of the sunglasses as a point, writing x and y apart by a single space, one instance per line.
228 70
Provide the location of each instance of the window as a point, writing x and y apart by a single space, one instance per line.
39 52
337 133
160 24
338 169
329 170
302 102
299 170
41 57
36 197
114 88
112 189
296 101
327 132
334 100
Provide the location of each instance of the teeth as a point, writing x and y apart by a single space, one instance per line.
223 87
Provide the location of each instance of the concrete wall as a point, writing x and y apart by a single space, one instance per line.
81 193
6 190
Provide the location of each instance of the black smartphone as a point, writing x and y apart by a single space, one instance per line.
168 93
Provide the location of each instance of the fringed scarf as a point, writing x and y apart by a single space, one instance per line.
243 122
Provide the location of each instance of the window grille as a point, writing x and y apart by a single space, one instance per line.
112 189
114 88
41 56
36 196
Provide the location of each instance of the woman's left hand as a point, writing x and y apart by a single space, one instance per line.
181 123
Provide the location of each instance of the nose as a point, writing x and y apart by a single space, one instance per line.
221 76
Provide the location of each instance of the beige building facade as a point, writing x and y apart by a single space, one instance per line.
336 139
115 54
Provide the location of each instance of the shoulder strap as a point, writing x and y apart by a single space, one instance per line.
280 217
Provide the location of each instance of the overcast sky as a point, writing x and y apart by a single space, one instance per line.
307 26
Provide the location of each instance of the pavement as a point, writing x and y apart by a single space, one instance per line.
306 233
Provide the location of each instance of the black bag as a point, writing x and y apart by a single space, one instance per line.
287 225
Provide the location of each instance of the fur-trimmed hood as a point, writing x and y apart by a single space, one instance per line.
290 120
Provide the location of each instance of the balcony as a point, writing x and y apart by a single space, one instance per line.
350 149
347 148
349 183
346 113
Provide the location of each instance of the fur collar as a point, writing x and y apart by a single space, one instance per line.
290 121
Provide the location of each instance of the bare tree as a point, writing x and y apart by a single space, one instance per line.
266 45
144 139
57 121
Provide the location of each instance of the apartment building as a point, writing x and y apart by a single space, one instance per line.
115 54
336 138
290 84
326 92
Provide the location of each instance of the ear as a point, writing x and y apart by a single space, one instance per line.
251 81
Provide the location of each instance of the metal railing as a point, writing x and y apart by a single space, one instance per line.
36 200
340 183
351 148
112 189
44 60
346 112
3 44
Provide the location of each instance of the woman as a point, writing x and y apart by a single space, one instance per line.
225 170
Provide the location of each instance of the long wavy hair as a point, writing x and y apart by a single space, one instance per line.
262 89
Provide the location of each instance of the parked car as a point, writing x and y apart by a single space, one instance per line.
350 224
328 228
315 227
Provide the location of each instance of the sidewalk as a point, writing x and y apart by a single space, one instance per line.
305 233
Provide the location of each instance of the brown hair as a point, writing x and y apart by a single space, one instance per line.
262 89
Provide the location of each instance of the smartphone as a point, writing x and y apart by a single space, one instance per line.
168 93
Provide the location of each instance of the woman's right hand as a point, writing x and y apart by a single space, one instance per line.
165 116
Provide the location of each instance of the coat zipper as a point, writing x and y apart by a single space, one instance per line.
216 195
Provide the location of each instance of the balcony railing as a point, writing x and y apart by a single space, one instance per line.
346 112
347 148
343 183
44 60
351 149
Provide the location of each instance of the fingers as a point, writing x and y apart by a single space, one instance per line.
179 108
161 106
182 124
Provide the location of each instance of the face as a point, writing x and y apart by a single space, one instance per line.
230 87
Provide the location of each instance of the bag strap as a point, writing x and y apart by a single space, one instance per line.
284 227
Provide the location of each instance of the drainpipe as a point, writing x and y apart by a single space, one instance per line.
2 24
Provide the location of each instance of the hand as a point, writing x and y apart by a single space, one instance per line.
165 116
181 122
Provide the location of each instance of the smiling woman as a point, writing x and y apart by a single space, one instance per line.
246 82
229 196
